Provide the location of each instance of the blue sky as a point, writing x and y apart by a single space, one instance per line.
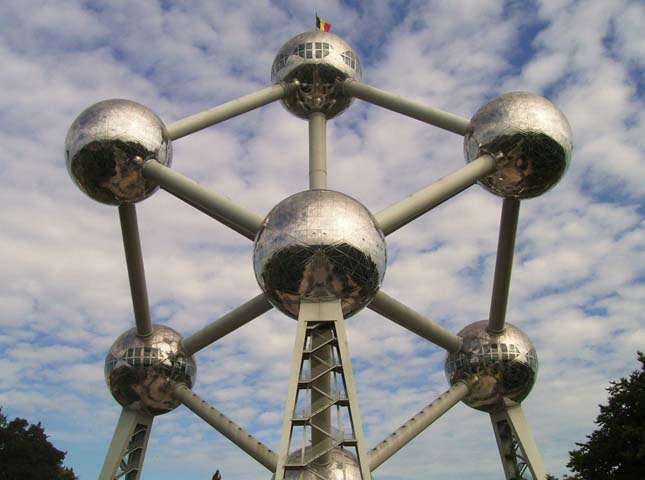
577 289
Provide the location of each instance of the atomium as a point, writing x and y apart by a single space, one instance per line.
140 371
324 253
505 364
318 61
529 137
319 244
106 146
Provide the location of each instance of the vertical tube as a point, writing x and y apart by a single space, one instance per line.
503 264
317 151
321 389
136 273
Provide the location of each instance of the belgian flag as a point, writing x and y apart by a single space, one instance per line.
322 25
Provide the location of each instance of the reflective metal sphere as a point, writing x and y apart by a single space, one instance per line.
530 138
140 371
343 465
318 60
319 244
106 146
505 364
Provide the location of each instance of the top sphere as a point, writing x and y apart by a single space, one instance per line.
318 61
529 137
506 365
106 146
319 244
140 371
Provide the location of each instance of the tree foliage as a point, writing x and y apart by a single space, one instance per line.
26 454
616 450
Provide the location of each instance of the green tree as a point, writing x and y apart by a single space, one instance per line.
26 454
616 450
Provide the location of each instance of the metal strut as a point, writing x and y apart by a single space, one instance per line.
321 412
124 459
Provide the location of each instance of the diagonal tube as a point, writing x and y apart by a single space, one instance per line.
503 264
401 213
234 216
417 424
226 324
136 272
317 151
415 322
218 114
438 118
227 427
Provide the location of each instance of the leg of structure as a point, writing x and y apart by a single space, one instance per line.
222 209
403 212
226 427
226 324
136 273
417 424
413 321
516 446
317 151
320 355
433 116
503 264
204 119
128 447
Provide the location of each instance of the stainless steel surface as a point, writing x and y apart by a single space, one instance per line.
236 434
530 138
415 322
318 61
222 209
506 365
140 371
317 151
503 264
433 116
106 146
227 110
319 244
417 424
401 213
226 324
342 466
136 272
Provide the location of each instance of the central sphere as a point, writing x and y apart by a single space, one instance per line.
319 244
140 371
505 364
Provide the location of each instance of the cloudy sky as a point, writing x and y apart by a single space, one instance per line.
578 287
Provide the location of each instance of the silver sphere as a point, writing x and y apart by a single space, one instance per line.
506 365
140 372
318 61
530 138
343 465
319 244
106 146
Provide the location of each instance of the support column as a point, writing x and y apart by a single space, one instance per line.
503 264
314 404
127 450
517 449
317 151
136 272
